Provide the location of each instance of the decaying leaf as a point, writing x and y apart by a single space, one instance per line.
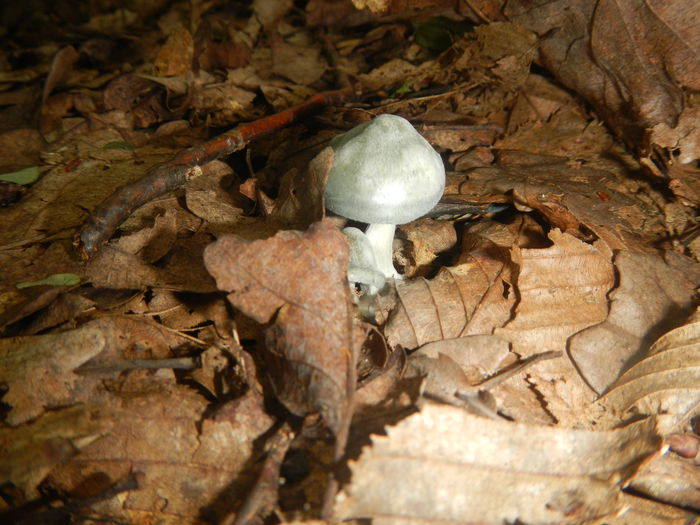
190 464
465 299
443 465
577 200
666 381
31 450
643 510
562 290
651 298
39 370
628 59
671 479
298 281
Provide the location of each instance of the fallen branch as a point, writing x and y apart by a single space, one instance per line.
108 216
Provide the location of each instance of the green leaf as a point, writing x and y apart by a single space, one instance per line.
438 32
57 279
23 177
118 144
403 89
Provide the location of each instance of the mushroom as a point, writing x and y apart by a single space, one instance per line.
384 173
362 264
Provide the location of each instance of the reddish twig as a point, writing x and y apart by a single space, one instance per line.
108 216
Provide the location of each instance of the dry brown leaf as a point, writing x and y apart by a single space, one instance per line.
576 200
443 465
39 370
175 55
300 64
20 148
628 59
59 199
224 104
426 238
31 450
666 381
642 510
562 290
190 464
212 198
671 479
300 201
682 139
61 68
466 299
482 355
298 281
651 298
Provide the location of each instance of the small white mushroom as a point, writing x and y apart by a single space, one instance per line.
384 173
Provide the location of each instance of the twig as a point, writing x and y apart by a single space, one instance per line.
262 500
108 216
176 363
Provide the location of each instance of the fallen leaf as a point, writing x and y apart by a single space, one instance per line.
651 298
300 64
411 473
628 59
298 281
466 299
187 460
39 370
24 177
643 510
33 449
57 279
577 200
61 68
175 55
301 194
666 381
670 479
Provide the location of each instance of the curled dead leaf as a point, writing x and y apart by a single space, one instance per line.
412 472
298 282
666 381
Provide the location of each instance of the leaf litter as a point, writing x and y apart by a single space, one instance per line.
211 346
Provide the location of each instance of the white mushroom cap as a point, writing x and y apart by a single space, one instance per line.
384 172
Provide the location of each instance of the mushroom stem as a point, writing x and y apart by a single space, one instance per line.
381 237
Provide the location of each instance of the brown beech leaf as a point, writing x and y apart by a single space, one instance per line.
190 459
175 56
666 381
562 290
411 473
38 370
31 450
41 373
652 297
465 299
628 59
300 202
643 510
574 199
300 64
298 281
671 479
